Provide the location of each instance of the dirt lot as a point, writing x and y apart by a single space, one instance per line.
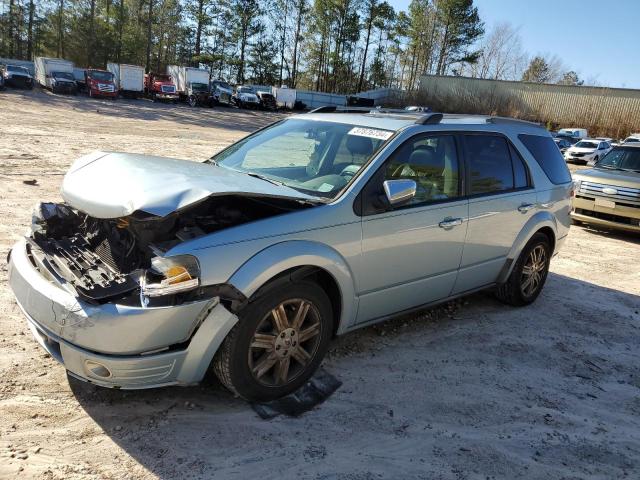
473 390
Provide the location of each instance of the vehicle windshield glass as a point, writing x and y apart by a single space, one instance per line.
200 87
222 85
632 140
244 90
584 144
622 158
14 69
63 75
162 78
103 76
315 157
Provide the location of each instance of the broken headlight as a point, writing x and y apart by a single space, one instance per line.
169 275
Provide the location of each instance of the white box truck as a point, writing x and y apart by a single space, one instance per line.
285 97
190 81
56 75
129 78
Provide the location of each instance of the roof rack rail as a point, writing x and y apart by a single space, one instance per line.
514 121
429 119
340 109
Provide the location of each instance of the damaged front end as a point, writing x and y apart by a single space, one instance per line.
122 259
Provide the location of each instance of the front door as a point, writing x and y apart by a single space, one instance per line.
411 253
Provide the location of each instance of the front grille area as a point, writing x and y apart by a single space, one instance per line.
577 154
168 89
630 196
104 87
608 216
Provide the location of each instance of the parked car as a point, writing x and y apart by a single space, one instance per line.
160 86
155 269
562 143
56 75
245 98
574 132
633 138
221 92
608 195
587 150
129 79
267 100
100 83
17 77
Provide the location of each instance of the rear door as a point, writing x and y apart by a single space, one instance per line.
501 201
411 253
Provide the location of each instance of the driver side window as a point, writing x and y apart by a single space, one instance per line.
432 162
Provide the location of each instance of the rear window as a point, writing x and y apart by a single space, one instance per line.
548 156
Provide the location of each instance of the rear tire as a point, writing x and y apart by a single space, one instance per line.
278 343
529 273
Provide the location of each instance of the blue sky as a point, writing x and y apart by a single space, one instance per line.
598 39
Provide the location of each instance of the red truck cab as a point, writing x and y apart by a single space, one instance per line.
160 86
100 83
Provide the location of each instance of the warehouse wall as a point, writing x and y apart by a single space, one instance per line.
611 111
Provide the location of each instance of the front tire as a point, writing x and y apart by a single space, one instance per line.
278 343
529 273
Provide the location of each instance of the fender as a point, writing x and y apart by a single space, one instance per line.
539 220
283 256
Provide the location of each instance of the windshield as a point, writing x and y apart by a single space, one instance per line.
200 87
102 76
14 69
63 76
161 78
632 140
621 158
245 90
222 85
585 144
318 158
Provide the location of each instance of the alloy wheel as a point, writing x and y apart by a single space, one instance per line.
284 342
533 271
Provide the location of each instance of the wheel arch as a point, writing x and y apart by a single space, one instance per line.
543 222
293 260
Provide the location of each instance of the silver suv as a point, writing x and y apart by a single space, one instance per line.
153 269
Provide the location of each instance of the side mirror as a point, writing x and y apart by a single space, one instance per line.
399 192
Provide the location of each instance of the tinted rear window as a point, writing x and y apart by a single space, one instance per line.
548 156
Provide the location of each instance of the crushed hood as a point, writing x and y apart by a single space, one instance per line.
112 185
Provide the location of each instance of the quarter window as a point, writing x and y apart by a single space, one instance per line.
432 162
489 163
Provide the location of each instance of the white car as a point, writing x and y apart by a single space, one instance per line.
589 150
633 138
245 98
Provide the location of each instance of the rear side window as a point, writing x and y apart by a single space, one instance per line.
489 164
544 150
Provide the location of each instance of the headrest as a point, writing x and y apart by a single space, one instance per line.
426 158
359 145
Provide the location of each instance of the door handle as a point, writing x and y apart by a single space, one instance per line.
450 222
525 207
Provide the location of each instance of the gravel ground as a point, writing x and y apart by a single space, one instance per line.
471 390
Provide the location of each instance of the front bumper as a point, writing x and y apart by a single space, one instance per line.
621 217
167 96
103 93
115 345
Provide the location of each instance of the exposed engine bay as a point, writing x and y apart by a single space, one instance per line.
108 259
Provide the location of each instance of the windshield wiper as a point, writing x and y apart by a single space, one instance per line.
266 179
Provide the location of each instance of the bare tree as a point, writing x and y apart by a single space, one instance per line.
501 55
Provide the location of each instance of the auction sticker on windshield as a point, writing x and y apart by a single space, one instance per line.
370 132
